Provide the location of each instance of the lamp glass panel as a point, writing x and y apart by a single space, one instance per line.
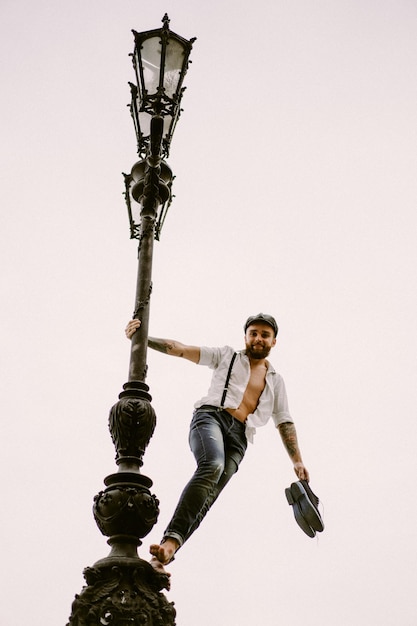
174 60
145 123
135 208
167 125
151 63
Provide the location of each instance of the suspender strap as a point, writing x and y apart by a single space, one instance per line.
226 384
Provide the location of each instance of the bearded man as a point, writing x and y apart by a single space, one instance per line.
245 392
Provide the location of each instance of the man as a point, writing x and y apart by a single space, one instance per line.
245 393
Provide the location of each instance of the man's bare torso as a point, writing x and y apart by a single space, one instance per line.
253 392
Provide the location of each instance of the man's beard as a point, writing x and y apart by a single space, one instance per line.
257 353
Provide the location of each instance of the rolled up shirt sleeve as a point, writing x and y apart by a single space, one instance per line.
211 357
281 412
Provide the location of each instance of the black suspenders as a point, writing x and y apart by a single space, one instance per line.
226 384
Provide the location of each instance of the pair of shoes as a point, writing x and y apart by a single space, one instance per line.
305 506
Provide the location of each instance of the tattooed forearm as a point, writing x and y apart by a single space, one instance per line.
167 346
289 438
162 345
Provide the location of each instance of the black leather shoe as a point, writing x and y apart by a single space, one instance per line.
299 517
313 517
305 503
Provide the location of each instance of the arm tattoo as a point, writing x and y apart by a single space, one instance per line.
166 346
289 437
162 345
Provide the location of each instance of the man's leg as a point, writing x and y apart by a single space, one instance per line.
207 445
164 552
218 451
231 467
235 444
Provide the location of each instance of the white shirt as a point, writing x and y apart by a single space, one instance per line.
273 401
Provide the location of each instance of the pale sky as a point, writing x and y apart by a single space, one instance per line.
295 194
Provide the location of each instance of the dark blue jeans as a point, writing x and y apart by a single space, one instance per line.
219 443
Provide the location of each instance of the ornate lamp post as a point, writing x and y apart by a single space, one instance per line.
122 589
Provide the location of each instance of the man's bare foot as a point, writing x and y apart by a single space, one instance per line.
160 569
164 551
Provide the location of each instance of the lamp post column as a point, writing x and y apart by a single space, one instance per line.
148 189
138 367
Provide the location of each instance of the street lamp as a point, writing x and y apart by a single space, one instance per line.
122 588
160 60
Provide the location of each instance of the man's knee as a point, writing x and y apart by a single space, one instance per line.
212 470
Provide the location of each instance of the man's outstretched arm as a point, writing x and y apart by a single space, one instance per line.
167 346
289 439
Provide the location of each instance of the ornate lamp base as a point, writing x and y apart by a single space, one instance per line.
122 592
122 589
